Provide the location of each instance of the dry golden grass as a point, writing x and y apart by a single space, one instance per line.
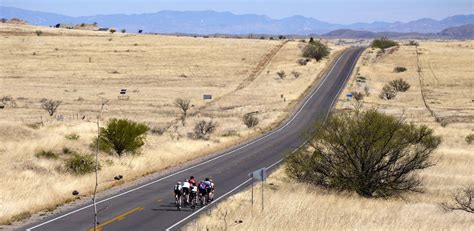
155 70
294 206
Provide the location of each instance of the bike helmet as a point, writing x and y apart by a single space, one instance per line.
207 179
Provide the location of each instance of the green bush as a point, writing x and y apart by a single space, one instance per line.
80 164
383 43
38 32
470 139
399 85
370 153
46 155
316 50
123 136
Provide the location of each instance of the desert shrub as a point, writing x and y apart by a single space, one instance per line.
413 43
303 62
123 30
367 90
50 106
123 136
296 74
383 43
46 154
370 153
400 85
112 31
281 74
38 32
183 105
80 164
470 139
281 37
463 200
250 120
388 92
8 101
357 95
399 69
67 150
203 129
72 136
316 50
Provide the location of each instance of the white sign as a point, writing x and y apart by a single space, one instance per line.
260 174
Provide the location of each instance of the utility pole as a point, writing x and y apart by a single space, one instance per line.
94 199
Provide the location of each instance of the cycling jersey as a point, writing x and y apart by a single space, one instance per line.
186 185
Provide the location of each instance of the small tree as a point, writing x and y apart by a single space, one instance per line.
469 139
316 50
38 32
123 30
388 92
281 74
358 96
250 120
203 129
183 105
463 200
80 164
383 43
123 136
371 153
50 106
399 85
112 31
296 74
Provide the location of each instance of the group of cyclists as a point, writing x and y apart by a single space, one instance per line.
190 192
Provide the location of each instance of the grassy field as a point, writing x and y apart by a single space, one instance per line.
446 72
80 68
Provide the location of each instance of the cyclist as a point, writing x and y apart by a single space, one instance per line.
178 192
203 191
192 181
212 190
186 190
193 196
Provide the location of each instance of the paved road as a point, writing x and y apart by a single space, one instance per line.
150 206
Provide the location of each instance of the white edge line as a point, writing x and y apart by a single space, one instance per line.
210 160
213 202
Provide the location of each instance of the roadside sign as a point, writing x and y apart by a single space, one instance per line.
260 174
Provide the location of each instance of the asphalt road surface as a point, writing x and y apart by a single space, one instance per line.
150 206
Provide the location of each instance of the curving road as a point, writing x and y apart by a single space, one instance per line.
150 206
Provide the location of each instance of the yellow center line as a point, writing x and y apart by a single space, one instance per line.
117 218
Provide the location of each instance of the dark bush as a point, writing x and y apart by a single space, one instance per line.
281 74
123 30
80 164
399 85
370 153
72 136
413 43
123 136
250 120
46 154
470 139
388 92
303 62
358 96
296 74
383 43
399 69
463 200
112 31
316 50
203 129
38 32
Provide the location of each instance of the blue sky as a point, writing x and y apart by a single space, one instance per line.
335 11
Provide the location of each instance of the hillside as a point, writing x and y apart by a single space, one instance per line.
212 22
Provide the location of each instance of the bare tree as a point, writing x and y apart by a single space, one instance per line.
463 201
183 105
203 129
51 106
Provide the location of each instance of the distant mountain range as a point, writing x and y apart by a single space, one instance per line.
211 22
